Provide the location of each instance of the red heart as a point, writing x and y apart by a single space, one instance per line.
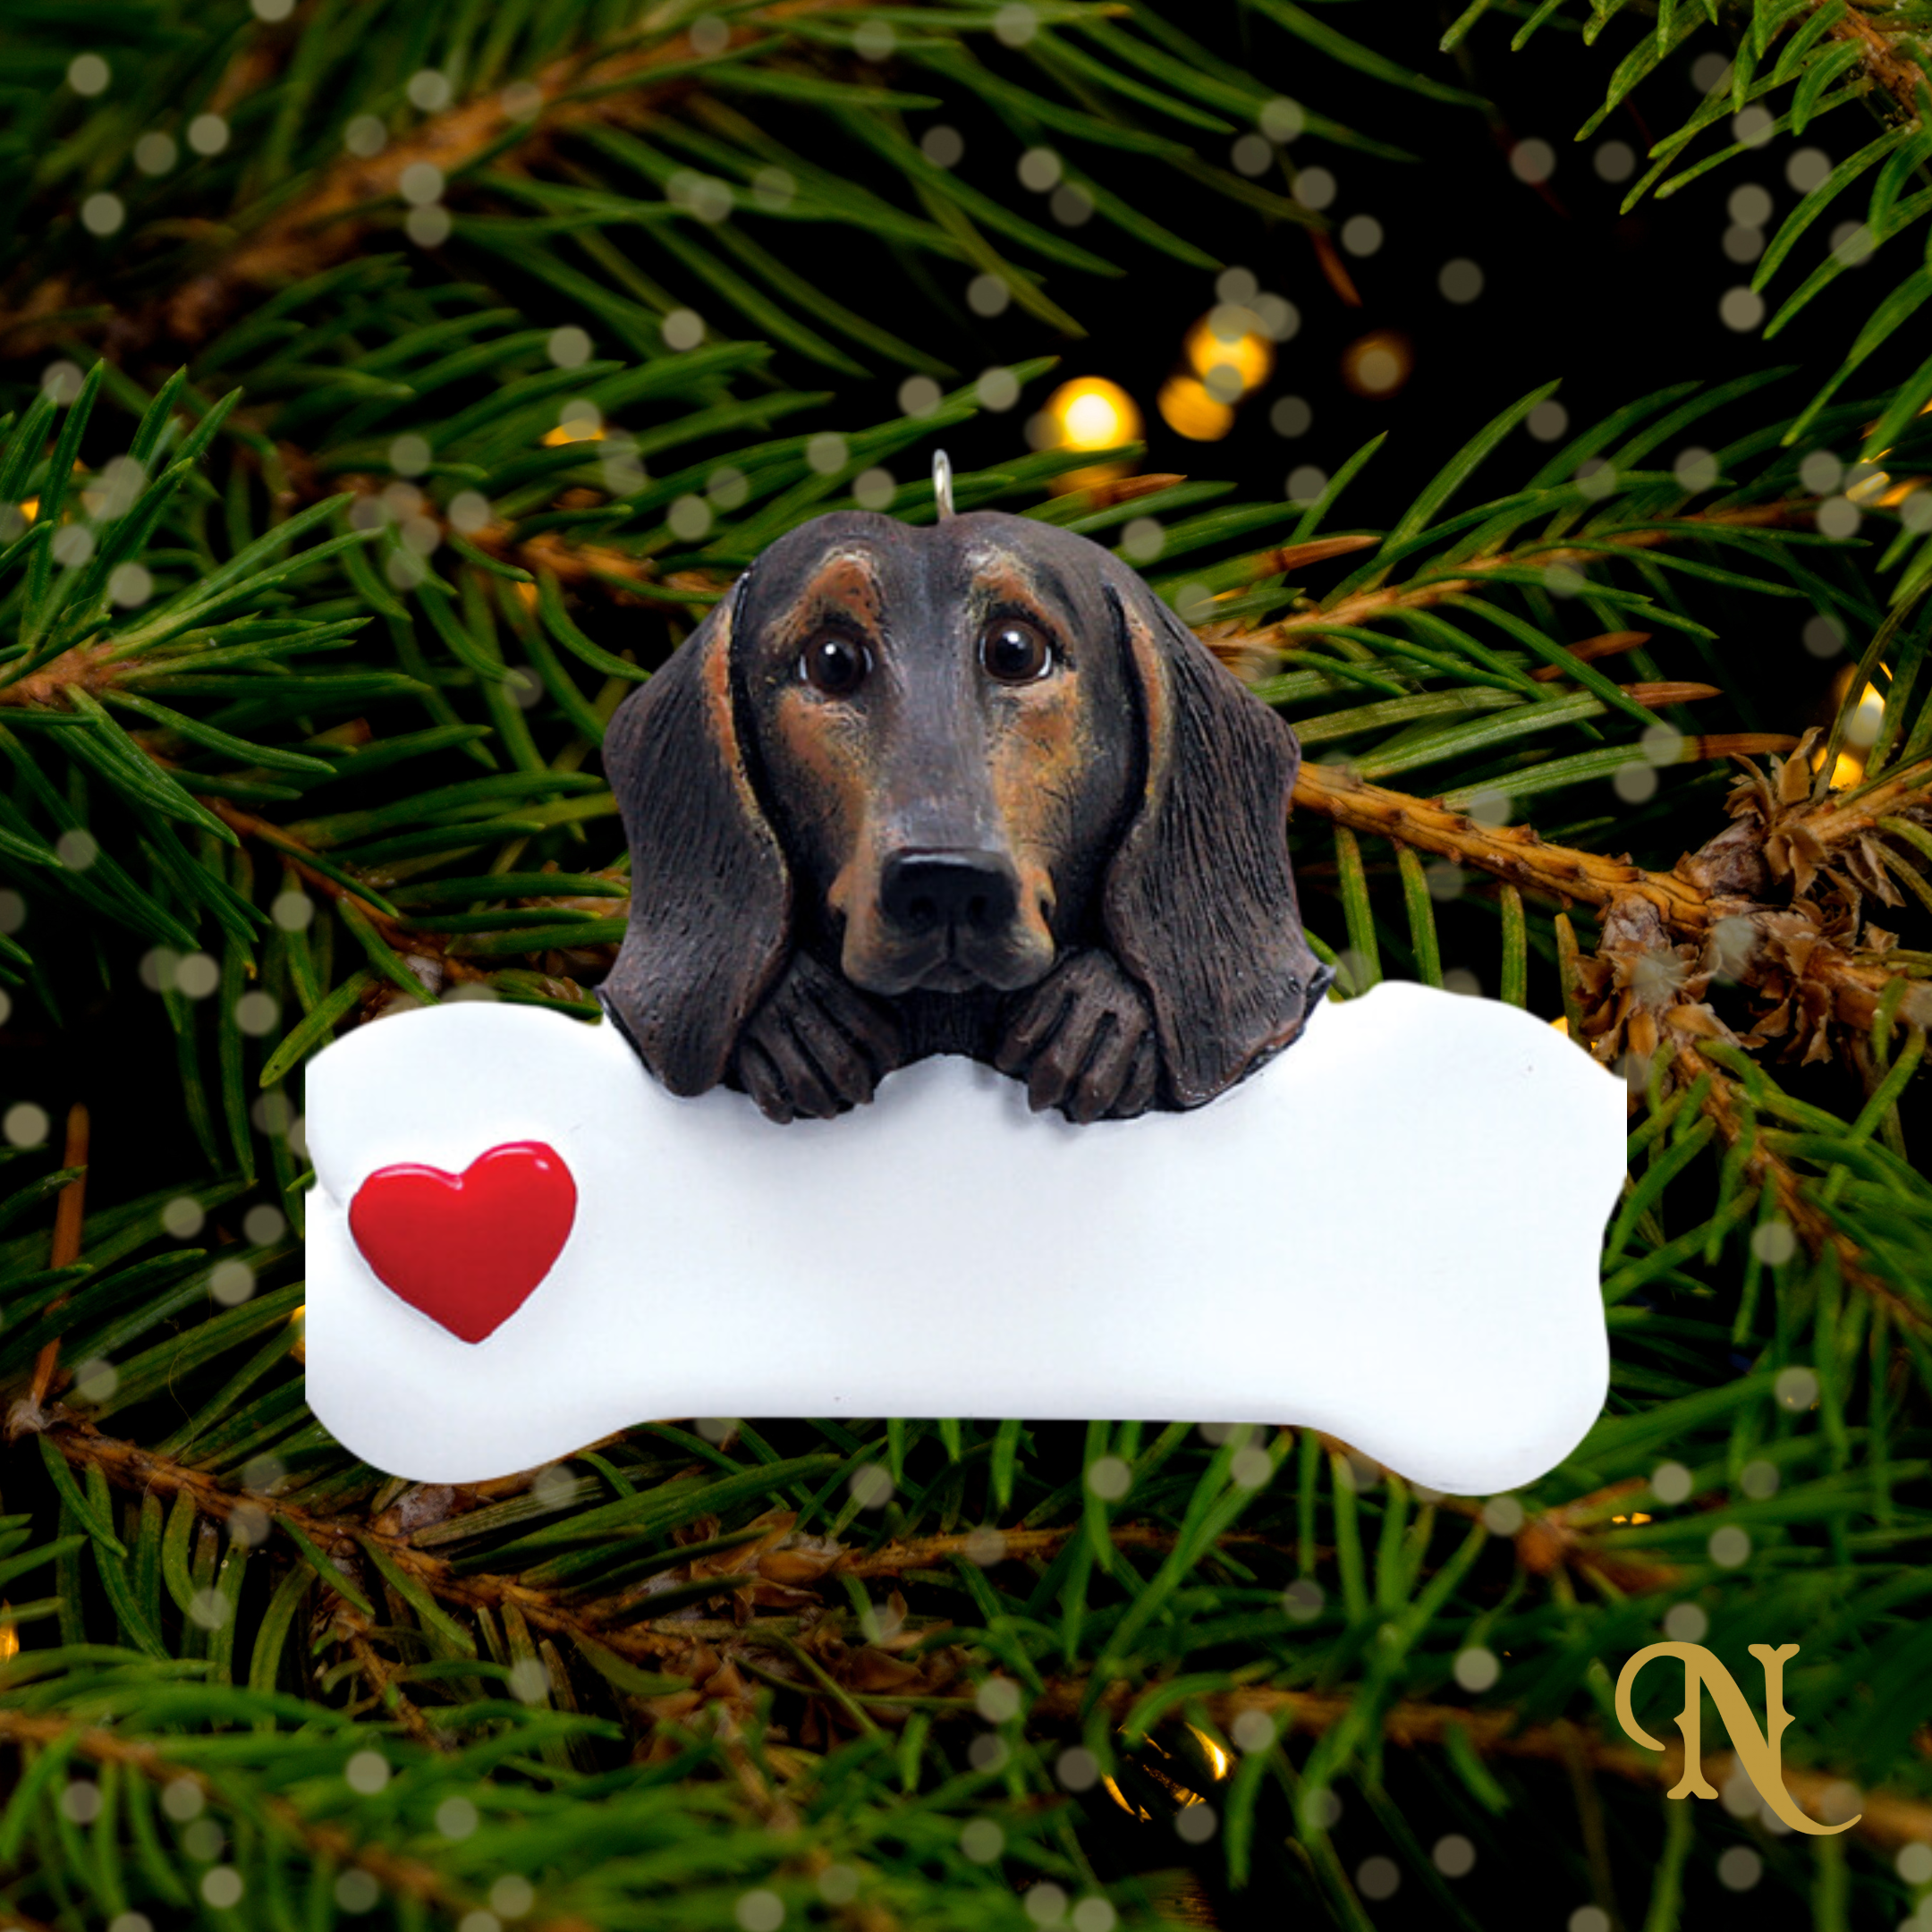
468 1249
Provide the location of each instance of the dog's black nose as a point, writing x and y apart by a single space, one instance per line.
974 891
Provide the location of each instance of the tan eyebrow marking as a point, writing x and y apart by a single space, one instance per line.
1000 577
847 579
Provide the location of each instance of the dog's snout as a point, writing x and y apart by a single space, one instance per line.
969 890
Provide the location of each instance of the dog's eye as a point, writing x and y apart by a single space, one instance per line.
1015 653
835 664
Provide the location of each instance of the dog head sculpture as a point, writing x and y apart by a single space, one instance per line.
968 788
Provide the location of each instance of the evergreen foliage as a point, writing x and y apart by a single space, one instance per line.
366 442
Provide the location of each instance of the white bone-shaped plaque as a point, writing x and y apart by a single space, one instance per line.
1391 1233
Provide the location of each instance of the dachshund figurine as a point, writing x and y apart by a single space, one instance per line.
969 788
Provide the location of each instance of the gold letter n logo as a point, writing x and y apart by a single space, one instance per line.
1758 1752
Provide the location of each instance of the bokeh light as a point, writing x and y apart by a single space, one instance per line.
1088 413
1188 410
1377 364
1230 352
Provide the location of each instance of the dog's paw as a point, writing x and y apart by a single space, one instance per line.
1083 1041
815 1046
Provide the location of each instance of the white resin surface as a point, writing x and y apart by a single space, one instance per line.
1391 1233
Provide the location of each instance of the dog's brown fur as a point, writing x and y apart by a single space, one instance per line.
1079 877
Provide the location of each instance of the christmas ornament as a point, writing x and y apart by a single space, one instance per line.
954 851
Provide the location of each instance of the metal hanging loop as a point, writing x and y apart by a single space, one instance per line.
942 484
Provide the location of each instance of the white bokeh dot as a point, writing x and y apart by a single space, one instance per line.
981 1841
1378 1877
760 1911
1615 161
256 1014
1730 1546
1315 187
1796 1389
1197 1823
1281 119
871 1486
1807 169
1532 161
183 1217
1503 1515
1251 154
230 1282
1303 1599
1913 1863
1686 1623
1742 309
838 1885
1739 1868
221 1886
356 1890
1671 1482
429 226
1476 1668
264 1224
429 91
1361 234
987 295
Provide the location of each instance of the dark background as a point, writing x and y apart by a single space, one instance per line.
1616 306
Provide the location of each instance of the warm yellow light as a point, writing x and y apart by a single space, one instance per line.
1122 1800
1216 1758
1091 413
8 1638
577 430
1377 364
1861 729
1189 411
1560 1022
1229 351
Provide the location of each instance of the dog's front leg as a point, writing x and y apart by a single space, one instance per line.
816 1046
1083 1040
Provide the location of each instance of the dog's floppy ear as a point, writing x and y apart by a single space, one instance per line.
710 891
1199 902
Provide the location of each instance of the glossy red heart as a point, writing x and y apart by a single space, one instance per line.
468 1249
